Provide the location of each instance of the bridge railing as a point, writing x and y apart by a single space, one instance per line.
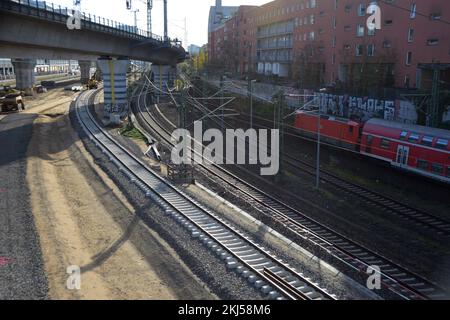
49 11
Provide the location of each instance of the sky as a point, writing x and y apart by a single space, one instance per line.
195 11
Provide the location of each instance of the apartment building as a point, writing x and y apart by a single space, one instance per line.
329 40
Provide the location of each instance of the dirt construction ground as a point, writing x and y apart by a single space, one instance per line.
82 219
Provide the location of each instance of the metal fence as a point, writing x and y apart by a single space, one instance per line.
51 12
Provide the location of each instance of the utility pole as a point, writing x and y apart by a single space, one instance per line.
318 142
185 33
149 17
135 11
250 94
433 110
222 124
165 22
280 126
180 173
435 97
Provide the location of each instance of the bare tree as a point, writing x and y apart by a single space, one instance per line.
366 73
309 66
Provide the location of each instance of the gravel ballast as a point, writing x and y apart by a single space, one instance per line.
202 262
21 266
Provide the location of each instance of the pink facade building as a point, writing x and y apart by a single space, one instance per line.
330 40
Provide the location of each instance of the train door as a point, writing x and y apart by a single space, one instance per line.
402 155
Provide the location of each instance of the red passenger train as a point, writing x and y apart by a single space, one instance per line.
418 149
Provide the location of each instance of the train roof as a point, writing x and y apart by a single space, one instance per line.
438 133
328 117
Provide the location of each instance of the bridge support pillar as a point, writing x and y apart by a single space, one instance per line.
163 77
85 69
114 87
25 78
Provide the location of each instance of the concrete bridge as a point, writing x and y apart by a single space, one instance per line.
33 29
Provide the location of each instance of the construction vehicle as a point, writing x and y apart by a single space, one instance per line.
92 84
6 90
11 102
94 80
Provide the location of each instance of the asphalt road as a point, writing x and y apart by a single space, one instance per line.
21 268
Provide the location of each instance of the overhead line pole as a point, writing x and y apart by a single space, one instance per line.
165 21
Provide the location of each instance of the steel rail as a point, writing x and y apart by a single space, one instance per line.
240 252
395 278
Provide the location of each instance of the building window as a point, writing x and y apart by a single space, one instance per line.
432 42
413 11
435 16
371 50
410 34
409 58
333 44
362 10
387 44
360 30
407 81
359 50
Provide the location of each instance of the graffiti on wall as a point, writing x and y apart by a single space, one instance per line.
356 107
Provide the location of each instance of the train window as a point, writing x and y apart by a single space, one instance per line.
442 144
350 129
385 144
437 168
414 138
369 139
403 135
427 141
422 164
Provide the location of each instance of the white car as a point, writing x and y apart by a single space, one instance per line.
77 88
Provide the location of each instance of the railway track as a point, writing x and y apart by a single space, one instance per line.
395 278
241 254
380 201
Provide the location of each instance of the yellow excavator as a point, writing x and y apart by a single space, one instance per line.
94 80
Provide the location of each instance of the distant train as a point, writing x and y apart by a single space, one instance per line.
418 149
